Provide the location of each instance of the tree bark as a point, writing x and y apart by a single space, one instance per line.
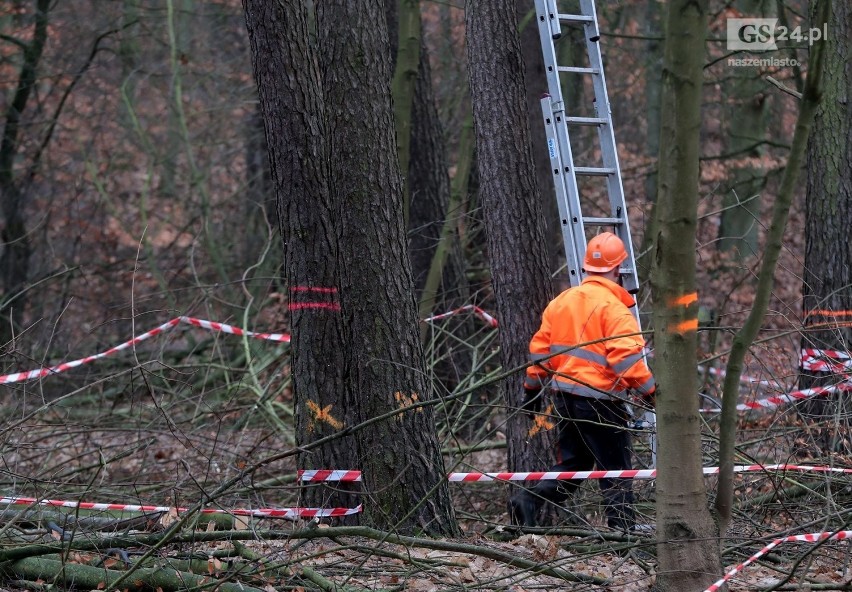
403 470
76 576
14 261
654 15
535 86
433 234
511 208
827 300
429 184
687 543
745 337
294 114
406 75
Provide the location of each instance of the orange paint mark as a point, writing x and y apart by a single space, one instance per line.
405 400
829 313
684 300
542 422
324 415
684 326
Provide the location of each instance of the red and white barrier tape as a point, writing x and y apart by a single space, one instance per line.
467 307
817 353
354 475
721 373
210 325
808 538
823 360
255 513
202 324
779 400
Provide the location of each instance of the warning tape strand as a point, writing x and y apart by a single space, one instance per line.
808 538
209 325
489 319
320 475
812 359
779 400
255 513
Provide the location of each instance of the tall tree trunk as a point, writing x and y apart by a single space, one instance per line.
434 235
687 543
745 336
535 86
384 368
260 204
293 111
512 211
15 259
654 14
827 299
746 133
406 73
429 187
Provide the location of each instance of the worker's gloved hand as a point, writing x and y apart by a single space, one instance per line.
532 400
651 398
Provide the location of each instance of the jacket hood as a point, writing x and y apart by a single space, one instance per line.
610 285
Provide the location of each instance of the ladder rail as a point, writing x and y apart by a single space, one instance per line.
565 171
606 137
549 22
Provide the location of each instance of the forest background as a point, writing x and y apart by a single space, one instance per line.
136 188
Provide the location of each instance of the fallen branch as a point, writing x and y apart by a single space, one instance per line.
97 578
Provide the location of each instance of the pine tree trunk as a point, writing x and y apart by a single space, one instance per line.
511 208
384 369
827 299
294 115
687 543
429 185
535 86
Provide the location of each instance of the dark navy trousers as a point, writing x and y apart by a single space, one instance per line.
593 435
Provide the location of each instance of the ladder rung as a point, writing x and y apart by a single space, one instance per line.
576 70
594 171
586 120
603 221
575 18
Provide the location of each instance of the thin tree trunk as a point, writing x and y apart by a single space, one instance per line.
406 73
403 470
653 88
687 544
14 262
429 186
433 234
512 211
76 576
745 337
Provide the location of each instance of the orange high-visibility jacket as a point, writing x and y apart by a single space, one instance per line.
596 309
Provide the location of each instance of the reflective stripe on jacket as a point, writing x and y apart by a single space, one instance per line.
595 310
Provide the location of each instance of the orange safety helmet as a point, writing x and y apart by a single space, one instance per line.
604 253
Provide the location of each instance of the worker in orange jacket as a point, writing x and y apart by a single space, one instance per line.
589 352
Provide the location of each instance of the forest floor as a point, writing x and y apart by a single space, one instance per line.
490 554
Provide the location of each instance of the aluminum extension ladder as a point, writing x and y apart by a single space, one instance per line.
557 125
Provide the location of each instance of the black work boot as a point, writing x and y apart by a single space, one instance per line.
523 509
